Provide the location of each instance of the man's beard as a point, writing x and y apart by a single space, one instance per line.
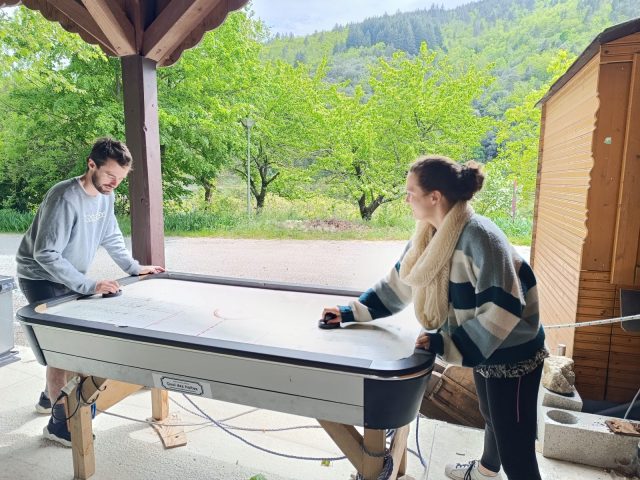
99 187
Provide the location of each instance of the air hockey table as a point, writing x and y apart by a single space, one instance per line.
243 341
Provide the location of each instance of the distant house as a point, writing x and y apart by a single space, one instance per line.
586 235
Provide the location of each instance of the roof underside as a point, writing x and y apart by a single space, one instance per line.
606 36
156 29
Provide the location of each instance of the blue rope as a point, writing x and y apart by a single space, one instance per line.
387 467
419 455
273 452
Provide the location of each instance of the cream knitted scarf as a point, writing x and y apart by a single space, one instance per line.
425 267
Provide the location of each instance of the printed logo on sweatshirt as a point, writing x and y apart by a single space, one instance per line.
94 217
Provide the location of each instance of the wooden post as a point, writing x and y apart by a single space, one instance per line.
354 446
84 461
399 452
143 139
374 443
159 404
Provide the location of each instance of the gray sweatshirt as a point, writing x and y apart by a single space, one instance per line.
65 235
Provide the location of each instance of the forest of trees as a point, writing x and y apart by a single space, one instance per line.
339 114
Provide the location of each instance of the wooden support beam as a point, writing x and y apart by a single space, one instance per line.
159 404
399 451
626 244
372 462
174 24
81 17
84 462
143 139
114 392
135 12
355 446
114 23
348 440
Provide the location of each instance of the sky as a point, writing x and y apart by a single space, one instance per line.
302 17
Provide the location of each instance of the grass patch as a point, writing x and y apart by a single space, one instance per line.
318 218
14 222
518 230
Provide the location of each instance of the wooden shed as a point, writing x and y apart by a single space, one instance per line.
586 231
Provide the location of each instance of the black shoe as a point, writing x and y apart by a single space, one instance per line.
44 404
57 432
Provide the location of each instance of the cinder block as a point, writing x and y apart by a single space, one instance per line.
547 398
585 438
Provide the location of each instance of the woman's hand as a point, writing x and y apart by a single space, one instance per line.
423 341
331 316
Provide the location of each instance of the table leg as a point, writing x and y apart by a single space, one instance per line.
399 451
108 393
159 404
355 446
84 462
374 444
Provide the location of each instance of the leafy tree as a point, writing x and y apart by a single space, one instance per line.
58 95
417 106
285 103
200 106
518 137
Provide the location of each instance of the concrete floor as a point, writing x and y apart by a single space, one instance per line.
128 448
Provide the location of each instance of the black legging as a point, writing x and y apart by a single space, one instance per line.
509 407
38 290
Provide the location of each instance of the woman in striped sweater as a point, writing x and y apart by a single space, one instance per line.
477 301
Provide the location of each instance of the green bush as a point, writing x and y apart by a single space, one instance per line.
518 230
12 221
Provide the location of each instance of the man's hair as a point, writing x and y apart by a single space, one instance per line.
106 148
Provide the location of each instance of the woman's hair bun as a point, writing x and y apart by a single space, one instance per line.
471 179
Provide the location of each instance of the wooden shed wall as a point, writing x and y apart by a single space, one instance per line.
597 296
587 219
561 197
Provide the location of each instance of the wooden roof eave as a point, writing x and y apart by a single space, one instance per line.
609 35
180 25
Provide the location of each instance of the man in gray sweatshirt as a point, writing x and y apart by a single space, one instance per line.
75 218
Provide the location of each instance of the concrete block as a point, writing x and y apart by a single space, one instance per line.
547 398
584 438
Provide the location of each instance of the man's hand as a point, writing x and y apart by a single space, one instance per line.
107 286
145 269
423 341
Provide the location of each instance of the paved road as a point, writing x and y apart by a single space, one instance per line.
349 264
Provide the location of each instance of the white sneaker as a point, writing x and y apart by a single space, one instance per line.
468 471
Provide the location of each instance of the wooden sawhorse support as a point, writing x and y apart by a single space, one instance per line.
356 446
106 393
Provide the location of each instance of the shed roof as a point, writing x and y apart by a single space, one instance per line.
159 30
606 36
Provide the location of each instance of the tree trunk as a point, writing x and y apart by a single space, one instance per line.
208 192
260 200
366 211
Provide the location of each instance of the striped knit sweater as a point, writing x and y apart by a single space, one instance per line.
493 301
